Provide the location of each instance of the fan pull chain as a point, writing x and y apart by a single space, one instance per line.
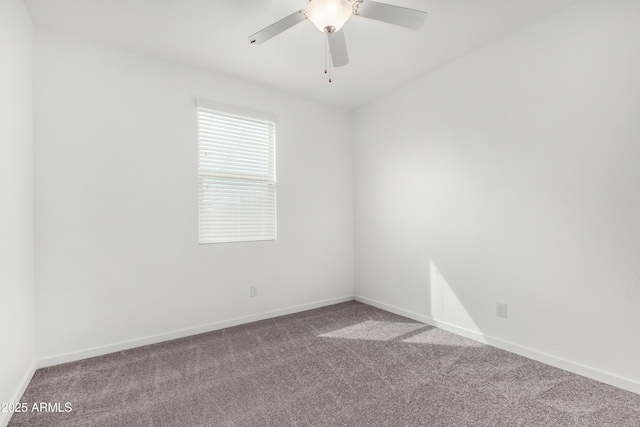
327 62
325 54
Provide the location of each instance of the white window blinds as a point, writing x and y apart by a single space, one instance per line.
236 175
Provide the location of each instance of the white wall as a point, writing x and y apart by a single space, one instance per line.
512 175
117 254
17 345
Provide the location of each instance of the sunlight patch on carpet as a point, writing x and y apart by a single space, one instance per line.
440 337
375 330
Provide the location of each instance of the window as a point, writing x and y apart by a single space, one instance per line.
236 175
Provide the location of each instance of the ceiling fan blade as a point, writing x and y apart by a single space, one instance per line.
280 26
338 49
396 15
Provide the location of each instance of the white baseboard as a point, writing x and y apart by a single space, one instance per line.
154 339
5 417
555 361
558 362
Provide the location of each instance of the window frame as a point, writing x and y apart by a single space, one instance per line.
237 113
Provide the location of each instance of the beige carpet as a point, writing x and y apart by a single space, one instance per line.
344 365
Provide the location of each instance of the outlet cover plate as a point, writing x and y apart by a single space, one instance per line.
501 310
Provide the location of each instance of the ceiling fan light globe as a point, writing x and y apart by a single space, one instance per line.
327 14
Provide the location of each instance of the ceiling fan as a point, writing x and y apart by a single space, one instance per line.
329 16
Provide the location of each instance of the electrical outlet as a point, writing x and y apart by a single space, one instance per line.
254 291
501 310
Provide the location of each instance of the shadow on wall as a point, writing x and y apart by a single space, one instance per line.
446 307
443 308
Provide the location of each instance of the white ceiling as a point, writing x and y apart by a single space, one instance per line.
214 34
